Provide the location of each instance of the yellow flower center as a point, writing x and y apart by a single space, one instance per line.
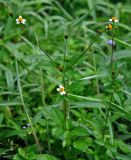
113 19
109 26
61 89
20 19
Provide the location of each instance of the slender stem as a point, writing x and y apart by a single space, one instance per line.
64 101
65 112
48 56
112 52
48 136
65 85
42 88
108 111
112 84
65 52
97 82
74 62
24 106
43 100
41 78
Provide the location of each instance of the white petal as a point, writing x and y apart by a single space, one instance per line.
17 19
61 86
110 20
116 20
62 93
17 22
20 16
24 20
58 89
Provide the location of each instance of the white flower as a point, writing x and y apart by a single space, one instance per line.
61 89
28 124
113 19
24 127
20 20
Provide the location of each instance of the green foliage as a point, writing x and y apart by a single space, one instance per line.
64 42
22 155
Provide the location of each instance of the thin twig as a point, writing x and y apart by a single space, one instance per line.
74 62
48 56
65 105
113 80
41 73
24 106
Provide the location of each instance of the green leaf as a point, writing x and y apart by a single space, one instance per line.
22 153
46 157
83 98
54 114
1 117
111 133
123 157
122 54
126 148
10 133
122 42
58 132
117 98
79 131
80 144
11 103
9 80
3 150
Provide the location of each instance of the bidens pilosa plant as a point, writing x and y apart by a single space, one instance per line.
65 81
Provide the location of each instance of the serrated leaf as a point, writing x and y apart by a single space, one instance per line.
79 131
80 144
122 54
46 157
55 115
1 118
126 148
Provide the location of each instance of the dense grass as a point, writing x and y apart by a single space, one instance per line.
64 42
